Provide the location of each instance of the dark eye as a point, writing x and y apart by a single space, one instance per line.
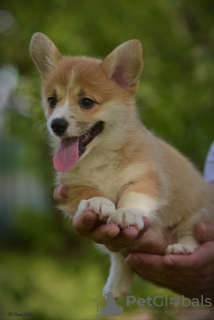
52 102
87 103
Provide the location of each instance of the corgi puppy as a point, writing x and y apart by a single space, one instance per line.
109 161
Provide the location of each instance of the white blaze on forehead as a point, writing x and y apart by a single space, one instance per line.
71 80
63 111
72 87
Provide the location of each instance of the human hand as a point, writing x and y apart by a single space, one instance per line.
190 275
116 240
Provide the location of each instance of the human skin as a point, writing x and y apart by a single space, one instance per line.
191 275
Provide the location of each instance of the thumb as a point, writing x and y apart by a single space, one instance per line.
204 232
60 193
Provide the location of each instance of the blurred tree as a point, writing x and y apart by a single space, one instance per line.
176 91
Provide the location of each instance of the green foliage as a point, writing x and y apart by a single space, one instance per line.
43 237
176 92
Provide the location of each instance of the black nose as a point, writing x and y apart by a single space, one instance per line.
59 126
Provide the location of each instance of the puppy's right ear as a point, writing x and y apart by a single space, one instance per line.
44 53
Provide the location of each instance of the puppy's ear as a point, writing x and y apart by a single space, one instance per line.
124 65
44 53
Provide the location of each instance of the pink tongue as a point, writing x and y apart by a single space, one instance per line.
67 155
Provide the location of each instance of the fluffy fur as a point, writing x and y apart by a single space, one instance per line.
125 172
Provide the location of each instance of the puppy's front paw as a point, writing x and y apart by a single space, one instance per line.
178 248
101 206
127 217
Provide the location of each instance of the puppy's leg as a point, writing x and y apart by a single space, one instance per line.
186 242
132 207
185 245
142 198
120 277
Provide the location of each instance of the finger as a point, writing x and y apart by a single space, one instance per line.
140 261
153 268
104 233
204 232
152 242
84 223
156 278
170 280
123 240
60 193
124 237
202 255
127 236
143 232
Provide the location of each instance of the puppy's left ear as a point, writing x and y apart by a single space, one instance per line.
124 65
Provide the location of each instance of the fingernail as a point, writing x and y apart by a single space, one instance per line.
146 223
57 195
168 262
204 231
112 235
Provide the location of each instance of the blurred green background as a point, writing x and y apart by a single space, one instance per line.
45 268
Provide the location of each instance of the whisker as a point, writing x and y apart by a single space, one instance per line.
39 123
41 129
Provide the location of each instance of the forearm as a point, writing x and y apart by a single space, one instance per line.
209 166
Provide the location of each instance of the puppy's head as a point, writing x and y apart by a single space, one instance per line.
84 97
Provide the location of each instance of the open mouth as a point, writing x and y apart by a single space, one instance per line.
71 149
92 133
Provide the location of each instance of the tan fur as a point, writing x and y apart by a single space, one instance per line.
148 184
126 166
75 194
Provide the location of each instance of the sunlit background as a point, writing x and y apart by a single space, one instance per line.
45 268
